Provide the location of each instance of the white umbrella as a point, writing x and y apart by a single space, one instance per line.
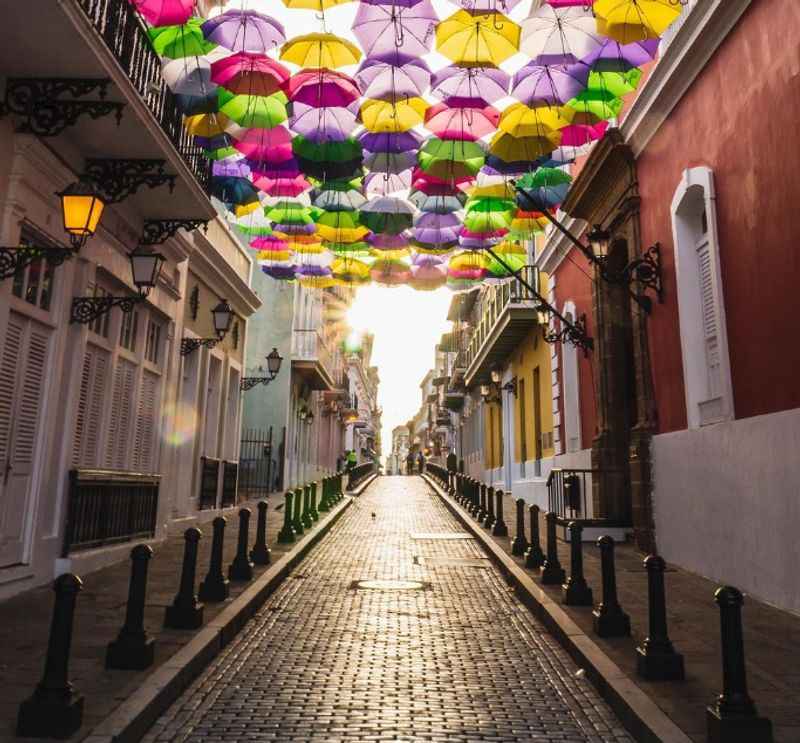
188 75
560 35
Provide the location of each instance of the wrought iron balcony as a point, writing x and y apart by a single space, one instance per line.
126 37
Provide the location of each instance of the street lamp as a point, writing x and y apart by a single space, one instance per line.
599 240
274 360
223 317
145 268
81 209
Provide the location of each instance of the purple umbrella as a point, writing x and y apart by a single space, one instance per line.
489 83
616 57
279 271
384 241
318 124
286 169
390 141
432 220
426 259
390 162
433 236
385 28
233 167
489 6
479 243
378 74
295 229
384 184
245 31
551 85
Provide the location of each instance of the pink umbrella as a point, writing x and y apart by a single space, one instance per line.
462 118
249 74
290 187
322 87
273 145
577 135
165 12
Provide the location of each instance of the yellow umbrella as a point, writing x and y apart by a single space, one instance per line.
510 247
521 121
528 224
500 190
243 210
350 269
390 255
388 116
516 149
206 125
477 39
316 282
318 5
320 50
341 234
274 255
627 21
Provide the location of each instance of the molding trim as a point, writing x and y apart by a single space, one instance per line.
705 28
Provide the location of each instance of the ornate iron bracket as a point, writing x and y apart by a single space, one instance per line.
249 382
15 259
117 179
574 333
88 309
646 273
157 231
188 345
45 114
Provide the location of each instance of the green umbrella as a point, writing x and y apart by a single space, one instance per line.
341 220
600 103
616 83
487 214
252 111
451 158
358 249
490 204
289 212
220 153
176 42
498 271
328 151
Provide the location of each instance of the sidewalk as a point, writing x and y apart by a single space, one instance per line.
771 637
100 612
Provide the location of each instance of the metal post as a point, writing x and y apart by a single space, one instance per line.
552 573
656 659
499 529
325 495
297 521
472 504
312 511
733 717
534 557
576 592
241 568
215 587
260 553
134 649
520 543
55 709
306 515
482 505
488 522
609 619
286 534
186 612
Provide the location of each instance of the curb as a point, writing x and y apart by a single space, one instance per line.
133 718
640 715
363 486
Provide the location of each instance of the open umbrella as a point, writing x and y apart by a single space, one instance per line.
476 39
387 214
520 120
543 189
265 145
252 111
404 75
165 12
427 277
627 21
515 149
206 125
487 83
330 151
186 40
461 118
390 162
451 158
188 75
322 87
392 116
338 201
615 57
438 204
550 85
320 124
249 74
245 31
616 83
320 50
233 190
490 6
318 5
560 36
382 28
597 105
384 184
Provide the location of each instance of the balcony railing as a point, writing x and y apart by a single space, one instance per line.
495 301
309 345
126 37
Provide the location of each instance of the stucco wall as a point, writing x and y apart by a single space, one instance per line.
738 526
757 182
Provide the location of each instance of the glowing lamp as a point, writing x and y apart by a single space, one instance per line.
81 208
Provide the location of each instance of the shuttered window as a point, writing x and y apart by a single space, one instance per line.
117 453
710 317
146 424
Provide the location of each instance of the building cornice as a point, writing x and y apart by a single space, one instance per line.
706 26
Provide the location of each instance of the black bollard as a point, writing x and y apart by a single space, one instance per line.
286 534
520 543
458 485
488 522
534 557
133 650
482 504
55 709
312 511
552 573
576 592
241 568
215 586
260 553
297 522
451 483
656 659
733 717
609 619
323 505
186 612
499 529
474 490
306 515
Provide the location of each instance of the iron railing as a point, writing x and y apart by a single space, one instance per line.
358 474
257 472
107 507
494 302
125 35
209 482
309 345
568 491
439 473
230 476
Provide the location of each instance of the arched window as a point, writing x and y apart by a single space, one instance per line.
704 338
569 373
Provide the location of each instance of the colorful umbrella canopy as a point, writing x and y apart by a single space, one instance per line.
318 5
386 214
252 111
245 31
476 39
543 189
382 28
513 149
520 120
551 85
615 57
320 50
180 41
461 118
322 87
560 36
487 83
321 124
249 74
265 145
451 158
392 116
165 12
627 21
400 75
188 75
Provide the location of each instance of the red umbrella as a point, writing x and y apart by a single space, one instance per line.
322 88
249 74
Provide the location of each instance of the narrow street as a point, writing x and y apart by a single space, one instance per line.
457 659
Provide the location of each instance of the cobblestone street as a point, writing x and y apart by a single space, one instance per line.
457 659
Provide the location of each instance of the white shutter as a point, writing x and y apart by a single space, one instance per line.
709 318
146 424
8 378
91 398
121 408
30 398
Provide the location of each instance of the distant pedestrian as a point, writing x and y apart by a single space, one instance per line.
452 462
410 463
421 462
352 459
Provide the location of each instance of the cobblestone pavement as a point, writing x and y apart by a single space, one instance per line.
458 660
